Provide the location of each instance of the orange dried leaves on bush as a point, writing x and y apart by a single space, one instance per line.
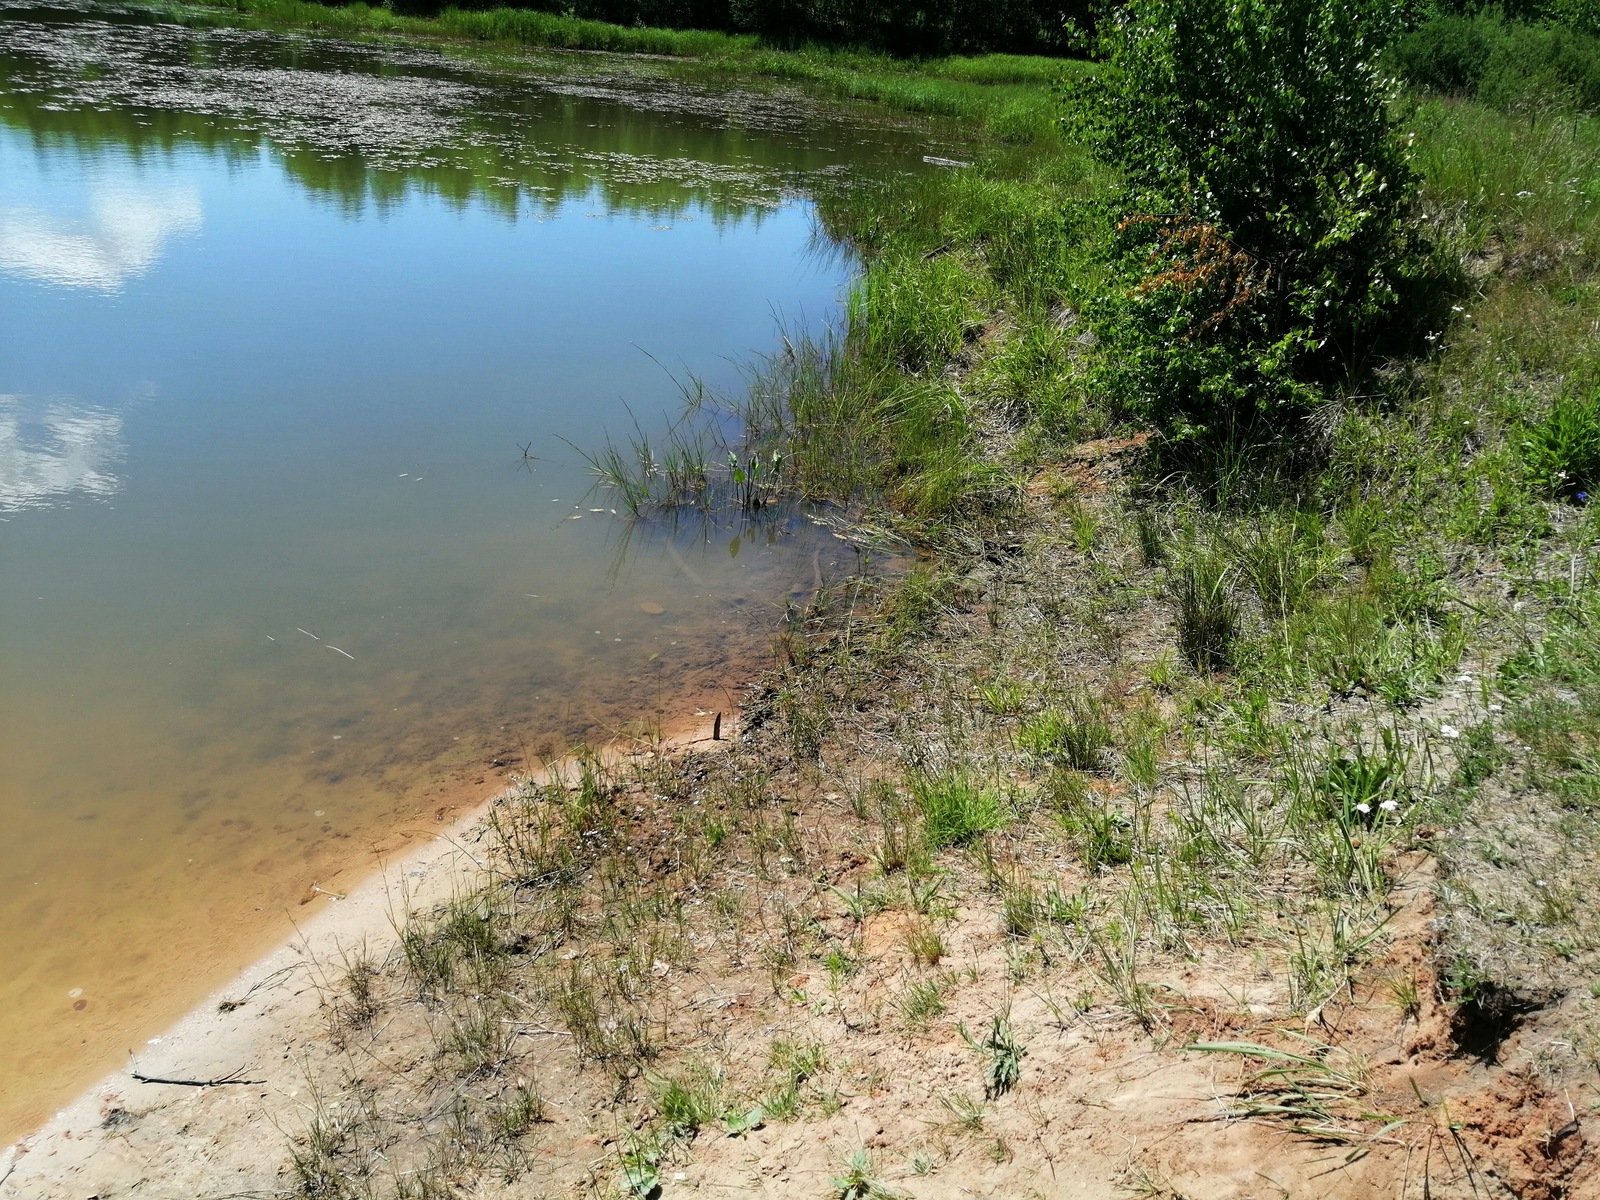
1214 277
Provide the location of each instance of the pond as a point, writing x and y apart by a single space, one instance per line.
297 338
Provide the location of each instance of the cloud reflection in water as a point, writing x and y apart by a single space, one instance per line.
122 236
51 451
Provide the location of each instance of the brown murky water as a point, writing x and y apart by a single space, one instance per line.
295 554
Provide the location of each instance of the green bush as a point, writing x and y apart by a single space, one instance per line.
1448 54
1508 65
913 26
1582 15
1266 234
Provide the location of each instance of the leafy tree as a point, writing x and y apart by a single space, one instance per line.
1266 220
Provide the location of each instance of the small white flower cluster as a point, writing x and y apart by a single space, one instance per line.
1388 806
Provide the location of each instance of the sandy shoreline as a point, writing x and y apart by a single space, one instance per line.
255 1032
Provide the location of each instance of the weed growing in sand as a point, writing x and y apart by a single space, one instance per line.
1141 752
926 896
1200 584
862 900
1001 697
798 1061
806 718
1282 560
840 966
924 999
1405 993
1117 962
640 1162
1003 1055
478 1036
355 1001
860 1182
901 844
1311 1094
465 940
596 1002
1479 755
520 1112
966 1114
1021 908
327 1163
1150 536
1083 525
688 1101
924 943
1075 735
955 809
796 1065
1100 831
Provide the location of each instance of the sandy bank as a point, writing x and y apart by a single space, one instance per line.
177 1139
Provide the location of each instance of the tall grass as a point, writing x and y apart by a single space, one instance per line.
1529 185
1201 585
527 27
507 26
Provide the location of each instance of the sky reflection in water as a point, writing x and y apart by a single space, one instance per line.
277 316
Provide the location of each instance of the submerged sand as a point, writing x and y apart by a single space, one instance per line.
231 1069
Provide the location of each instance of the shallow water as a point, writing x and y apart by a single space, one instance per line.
278 586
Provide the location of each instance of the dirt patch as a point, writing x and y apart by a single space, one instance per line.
1531 1139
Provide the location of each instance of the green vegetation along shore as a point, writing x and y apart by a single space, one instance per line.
1244 391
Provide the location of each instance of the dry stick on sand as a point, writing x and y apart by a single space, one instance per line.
231 1077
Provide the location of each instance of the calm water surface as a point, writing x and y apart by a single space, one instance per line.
276 582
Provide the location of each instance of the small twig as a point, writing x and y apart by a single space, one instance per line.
230 1077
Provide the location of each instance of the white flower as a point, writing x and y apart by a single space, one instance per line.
1449 731
1363 808
1390 806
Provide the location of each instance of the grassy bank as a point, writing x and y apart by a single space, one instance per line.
1261 756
